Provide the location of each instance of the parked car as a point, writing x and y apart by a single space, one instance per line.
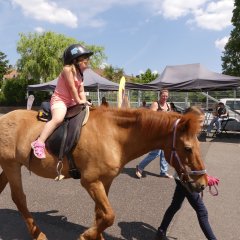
233 106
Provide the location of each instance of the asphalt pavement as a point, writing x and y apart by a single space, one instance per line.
63 210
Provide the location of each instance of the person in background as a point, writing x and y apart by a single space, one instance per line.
125 102
68 92
193 198
90 101
220 114
173 107
144 104
104 102
160 105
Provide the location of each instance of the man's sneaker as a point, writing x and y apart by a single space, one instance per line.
38 149
166 175
161 235
138 172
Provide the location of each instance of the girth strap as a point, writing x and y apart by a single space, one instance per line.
73 171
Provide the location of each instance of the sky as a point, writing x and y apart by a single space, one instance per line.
137 34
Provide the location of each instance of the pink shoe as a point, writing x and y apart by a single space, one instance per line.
38 149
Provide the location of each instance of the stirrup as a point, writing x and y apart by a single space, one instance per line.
59 170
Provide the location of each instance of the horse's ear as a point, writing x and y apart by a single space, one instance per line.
190 123
197 115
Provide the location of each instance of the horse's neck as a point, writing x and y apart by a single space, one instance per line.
147 131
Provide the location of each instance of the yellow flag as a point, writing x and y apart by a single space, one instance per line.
121 91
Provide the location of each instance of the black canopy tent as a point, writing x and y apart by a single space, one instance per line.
92 83
193 77
140 86
48 86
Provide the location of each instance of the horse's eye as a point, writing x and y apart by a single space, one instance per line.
188 149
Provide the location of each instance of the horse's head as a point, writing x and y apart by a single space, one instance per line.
185 154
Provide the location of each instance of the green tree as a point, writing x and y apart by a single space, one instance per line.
3 65
113 73
231 53
41 55
14 91
147 77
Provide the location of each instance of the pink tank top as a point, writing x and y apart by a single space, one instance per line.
62 91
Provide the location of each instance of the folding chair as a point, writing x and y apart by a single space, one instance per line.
224 124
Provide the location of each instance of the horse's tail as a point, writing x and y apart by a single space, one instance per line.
3 181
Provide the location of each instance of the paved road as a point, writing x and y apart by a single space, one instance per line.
63 209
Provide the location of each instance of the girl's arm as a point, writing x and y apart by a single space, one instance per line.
68 75
82 94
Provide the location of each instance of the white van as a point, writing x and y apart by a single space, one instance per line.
233 104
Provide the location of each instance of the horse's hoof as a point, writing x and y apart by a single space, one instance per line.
83 238
41 236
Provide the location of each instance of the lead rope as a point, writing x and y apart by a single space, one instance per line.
212 182
213 193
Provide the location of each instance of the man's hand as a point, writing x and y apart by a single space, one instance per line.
212 181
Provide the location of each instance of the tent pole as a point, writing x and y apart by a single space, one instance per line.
98 95
139 97
234 93
128 93
207 102
186 101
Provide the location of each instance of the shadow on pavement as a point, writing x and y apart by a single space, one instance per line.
230 137
137 230
131 173
12 226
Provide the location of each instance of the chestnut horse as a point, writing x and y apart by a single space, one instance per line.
110 139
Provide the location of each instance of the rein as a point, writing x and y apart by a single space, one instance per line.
174 154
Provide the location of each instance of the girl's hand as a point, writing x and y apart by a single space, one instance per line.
87 103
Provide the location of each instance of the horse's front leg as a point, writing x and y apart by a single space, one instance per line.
13 173
104 215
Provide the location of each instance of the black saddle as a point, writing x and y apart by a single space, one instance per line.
65 137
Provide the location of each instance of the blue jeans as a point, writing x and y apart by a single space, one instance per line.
151 156
217 121
197 204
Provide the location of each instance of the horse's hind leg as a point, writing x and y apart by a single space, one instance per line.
104 215
3 181
13 174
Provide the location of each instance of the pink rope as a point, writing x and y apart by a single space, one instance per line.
213 182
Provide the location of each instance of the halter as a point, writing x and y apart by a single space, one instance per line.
175 154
